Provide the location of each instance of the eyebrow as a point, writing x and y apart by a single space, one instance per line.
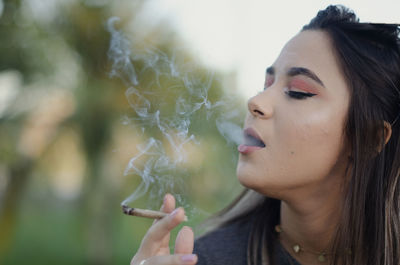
298 71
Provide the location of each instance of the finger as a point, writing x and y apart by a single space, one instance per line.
154 238
187 259
167 207
184 241
168 204
166 224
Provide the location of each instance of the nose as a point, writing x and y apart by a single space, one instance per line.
259 106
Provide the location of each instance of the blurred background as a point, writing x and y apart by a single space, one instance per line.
68 131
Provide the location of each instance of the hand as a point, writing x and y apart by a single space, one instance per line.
154 248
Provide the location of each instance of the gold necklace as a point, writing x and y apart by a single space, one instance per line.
321 255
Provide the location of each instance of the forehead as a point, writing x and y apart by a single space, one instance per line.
309 48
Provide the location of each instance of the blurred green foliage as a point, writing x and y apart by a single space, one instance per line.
63 146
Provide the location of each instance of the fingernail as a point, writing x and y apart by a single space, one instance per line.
188 227
188 258
174 213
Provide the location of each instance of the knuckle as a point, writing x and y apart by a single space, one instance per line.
163 225
156 229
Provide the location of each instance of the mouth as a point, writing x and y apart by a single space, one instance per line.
251 142
252 139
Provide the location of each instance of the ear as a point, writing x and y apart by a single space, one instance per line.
387 129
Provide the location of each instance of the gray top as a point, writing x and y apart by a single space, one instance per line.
228 245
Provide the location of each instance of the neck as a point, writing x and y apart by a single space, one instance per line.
310 219
311 230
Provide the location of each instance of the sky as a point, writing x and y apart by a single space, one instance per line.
246 36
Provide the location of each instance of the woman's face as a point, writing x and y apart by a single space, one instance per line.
302 133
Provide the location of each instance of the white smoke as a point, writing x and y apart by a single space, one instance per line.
145 73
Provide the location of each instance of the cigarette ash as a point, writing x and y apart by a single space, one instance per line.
154 80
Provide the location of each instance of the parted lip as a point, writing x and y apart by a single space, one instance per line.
252 133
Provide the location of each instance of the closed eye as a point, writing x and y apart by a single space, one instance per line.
298 95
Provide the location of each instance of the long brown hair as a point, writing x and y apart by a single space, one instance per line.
368 232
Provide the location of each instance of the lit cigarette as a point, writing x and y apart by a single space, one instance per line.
145 213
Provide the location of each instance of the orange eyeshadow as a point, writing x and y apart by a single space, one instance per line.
303 85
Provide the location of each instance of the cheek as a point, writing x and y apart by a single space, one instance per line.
315 128
314 148
308 136
303 154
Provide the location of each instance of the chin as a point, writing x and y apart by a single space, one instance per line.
261 184
245 177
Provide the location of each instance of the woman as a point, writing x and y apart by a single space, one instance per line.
320 160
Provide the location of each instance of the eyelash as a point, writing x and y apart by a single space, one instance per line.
298 95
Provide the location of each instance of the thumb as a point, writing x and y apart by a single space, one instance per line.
184 241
